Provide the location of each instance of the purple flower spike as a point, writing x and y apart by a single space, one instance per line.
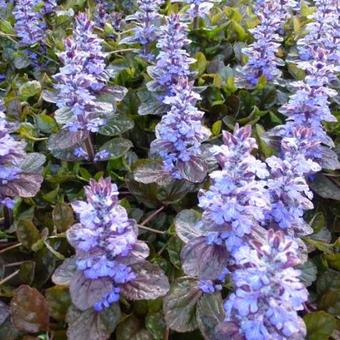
30 26
146 32
180 133
108 254
237 201
268 290
81 79
173 61
262 52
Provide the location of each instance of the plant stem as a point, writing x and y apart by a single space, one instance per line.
89 148
10 247
151 229
152 216
9 277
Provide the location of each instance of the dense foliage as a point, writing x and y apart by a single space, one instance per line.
169 169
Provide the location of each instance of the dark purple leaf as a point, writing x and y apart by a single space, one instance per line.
329 159
186 225
193 171
65 139
65 272
209 313
26 185
150 171
85 293
180 305
325 187
92 325
29 310
227 330
150 282
203 260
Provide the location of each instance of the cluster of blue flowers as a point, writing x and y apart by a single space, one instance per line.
263 61
81 78
173 61
104 239
308 107
146 31
268 292
30 25
180 133
236 202
12 152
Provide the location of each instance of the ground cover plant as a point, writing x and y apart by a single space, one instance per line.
169 169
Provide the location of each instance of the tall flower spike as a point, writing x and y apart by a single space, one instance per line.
81 77
237 201
107 249
29 26
268 291
180 133
234 209
308 107
262 52
104 239
173 61
146 32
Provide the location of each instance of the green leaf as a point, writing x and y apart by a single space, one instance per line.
132 329
27 233
116 125
59 300
116 148
33 162
62 216
320 325
29 89
29 310
46 124
6 27
309 272
201 63
156 325
216 127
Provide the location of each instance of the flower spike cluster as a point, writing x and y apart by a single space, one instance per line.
30 25
236 202
80 79
263 61
308 107
147 22
104 239
173 61
268 291
180 133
